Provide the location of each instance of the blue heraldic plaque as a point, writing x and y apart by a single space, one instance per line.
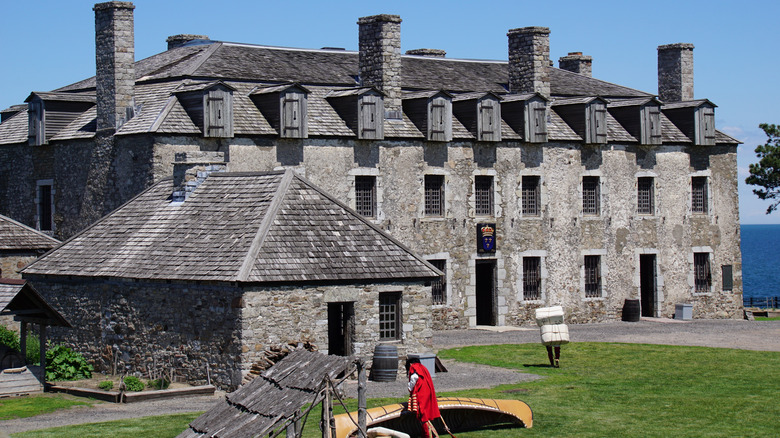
486 238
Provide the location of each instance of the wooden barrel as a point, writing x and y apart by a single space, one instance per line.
631 311
385 365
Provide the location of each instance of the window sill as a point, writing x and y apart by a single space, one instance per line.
532 218
601 298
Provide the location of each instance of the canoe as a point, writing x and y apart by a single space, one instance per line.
460 414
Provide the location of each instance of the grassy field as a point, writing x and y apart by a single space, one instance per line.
601 390
30 406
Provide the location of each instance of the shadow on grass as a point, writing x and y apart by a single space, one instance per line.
538 365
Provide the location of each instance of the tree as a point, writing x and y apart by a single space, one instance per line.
766 173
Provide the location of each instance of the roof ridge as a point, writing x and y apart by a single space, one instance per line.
204 56
31 229
265 225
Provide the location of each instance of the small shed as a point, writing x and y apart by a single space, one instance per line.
21 301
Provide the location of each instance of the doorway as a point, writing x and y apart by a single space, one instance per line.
487 309
341 328
647 281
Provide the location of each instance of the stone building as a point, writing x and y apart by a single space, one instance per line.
206 270
526 184
19 246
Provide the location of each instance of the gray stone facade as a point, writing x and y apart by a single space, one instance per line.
380 56
529 60
576 62
115 59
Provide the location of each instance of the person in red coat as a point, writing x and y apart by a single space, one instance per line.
422 395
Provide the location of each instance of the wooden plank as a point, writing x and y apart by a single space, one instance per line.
167 393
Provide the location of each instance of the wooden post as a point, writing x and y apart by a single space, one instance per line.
43 349
290 432
326 407
23 341
361 393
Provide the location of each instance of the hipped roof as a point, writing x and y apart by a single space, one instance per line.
17 236
237 227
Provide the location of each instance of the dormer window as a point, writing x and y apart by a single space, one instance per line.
695 118
586 116
210 106
431 112
640 117
527 115
362 109
480 113
49 113
285 108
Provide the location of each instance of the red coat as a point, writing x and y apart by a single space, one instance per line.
428 407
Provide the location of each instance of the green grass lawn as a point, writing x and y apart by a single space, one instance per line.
30 406
601 390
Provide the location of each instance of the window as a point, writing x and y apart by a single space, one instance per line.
434 195
389 316
701 272
644 198
365 196
483 195
590 196
532 278
439 287
530 196
699 194
592 276
45 207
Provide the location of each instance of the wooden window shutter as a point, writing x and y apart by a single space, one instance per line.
370 118
597 118
36 130
439 119
536 122
728 278
218 113
489 120
705 126
293 120
651 125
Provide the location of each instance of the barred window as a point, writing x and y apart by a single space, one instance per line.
434 195
532 278
699 194
591 204
365 196
592 276
439 286
702 273
644 199
530 196
45 208
389 316
483 195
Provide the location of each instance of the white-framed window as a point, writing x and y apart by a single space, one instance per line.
390 327
700 192
701 261
485 198
434 205
44 201
532 273
531 195
365 192
645 195
592 273
591 195
439 287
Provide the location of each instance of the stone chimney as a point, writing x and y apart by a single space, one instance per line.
190 169
576 62
529 60
675 72
380 58
175 41
114 58
430 53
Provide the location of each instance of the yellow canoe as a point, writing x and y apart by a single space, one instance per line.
459 413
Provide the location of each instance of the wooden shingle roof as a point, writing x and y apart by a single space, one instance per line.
20 299
17 236
245 227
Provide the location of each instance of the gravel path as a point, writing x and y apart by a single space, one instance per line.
749 335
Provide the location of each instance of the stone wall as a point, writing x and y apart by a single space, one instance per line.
146 326
529 60
12 261
283 314
675 72
379 40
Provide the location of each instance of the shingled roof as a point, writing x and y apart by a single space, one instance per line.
244 227
18 298
17 236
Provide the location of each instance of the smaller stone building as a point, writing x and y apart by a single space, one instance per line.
203 272
20 245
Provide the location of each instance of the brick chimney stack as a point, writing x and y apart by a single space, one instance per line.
114 58
529 60
380 58
576 62
675 72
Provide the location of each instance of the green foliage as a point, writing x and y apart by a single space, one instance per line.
134 384
106 385
62 363
766 173
161 383
30 406
10 339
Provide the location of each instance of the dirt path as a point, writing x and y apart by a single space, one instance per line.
748 335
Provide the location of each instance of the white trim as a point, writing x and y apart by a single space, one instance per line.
692 269
659 279
542 255
447 195
603 273
708 175
602 189
497 200
542 196
367 171
447 276
471 289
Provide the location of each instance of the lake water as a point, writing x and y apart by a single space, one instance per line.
760 260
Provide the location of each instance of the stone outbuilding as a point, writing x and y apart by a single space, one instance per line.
204 279
20 245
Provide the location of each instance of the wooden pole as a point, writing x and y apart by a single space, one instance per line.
43 349
23 340
361 393
326 407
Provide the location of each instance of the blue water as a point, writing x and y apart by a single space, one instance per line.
760 260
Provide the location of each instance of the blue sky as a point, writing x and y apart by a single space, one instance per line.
48 44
